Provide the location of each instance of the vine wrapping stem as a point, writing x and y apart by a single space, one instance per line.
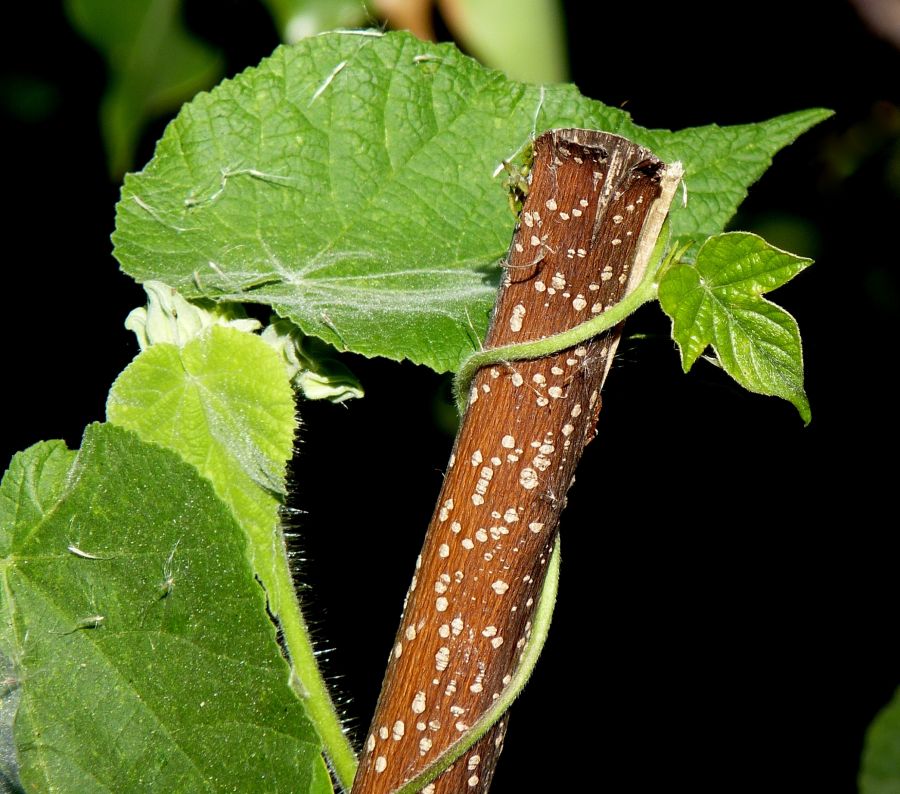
584 241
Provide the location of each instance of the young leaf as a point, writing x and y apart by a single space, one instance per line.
351 183
154 65
717 301
237 430
142 649
880 769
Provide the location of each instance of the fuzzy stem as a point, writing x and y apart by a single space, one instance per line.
307 681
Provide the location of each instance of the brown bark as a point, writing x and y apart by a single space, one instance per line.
576 250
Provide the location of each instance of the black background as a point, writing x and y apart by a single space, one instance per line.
727 616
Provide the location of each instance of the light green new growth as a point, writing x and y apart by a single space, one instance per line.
717 302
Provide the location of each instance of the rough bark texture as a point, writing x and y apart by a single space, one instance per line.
470 605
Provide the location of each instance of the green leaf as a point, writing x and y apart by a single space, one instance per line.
297 19
142 648
880 768
350 183
720 164
39 484
717 301
224 403
524 38
154 65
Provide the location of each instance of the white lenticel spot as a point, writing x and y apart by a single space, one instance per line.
508 442
528 479
443 550
370 743
380 764
536 526
550 204
441 604
398 731
418 702
515 321
497 642
499 587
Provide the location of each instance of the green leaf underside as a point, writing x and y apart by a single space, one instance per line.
717 301
154 65
223 402
880 768
348 183
179 687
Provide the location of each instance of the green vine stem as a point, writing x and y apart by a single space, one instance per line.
541 628
307 680
645 292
